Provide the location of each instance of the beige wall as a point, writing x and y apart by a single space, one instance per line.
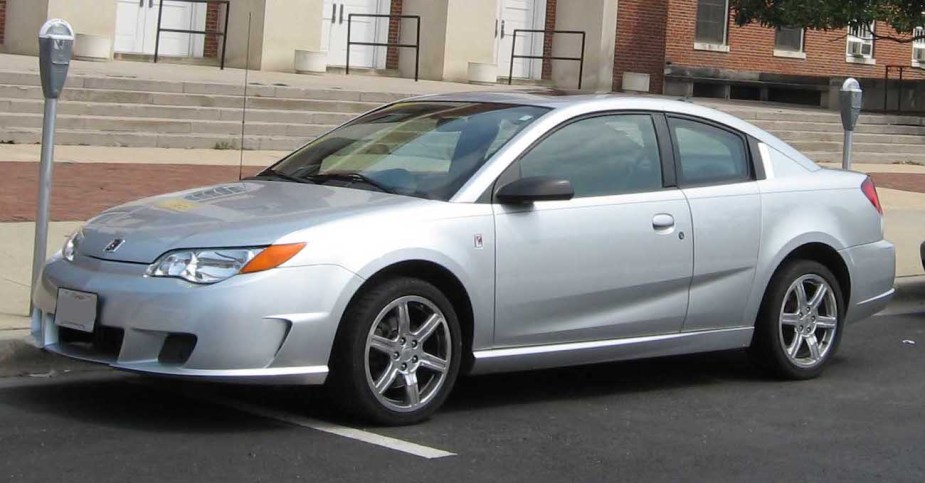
278 28
24 18
290 25
453 33
598 18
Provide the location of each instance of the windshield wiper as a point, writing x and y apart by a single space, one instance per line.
353 177
271 173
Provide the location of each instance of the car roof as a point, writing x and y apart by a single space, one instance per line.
558 99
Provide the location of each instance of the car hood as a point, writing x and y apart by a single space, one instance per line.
249 213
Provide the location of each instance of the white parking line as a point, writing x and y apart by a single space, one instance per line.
352 433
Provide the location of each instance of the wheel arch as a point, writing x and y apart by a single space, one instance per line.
826 255
442 278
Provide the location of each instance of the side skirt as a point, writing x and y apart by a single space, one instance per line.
580 353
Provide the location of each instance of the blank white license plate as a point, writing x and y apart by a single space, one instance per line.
76 310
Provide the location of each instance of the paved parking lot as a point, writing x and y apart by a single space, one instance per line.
698 418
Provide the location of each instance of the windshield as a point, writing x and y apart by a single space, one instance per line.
423 149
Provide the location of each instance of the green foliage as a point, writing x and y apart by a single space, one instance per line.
903 15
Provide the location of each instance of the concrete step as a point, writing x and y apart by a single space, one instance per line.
779 126
34 106
859 138
78 137
759 113
872 158
836 147
194 100
163 126
233 89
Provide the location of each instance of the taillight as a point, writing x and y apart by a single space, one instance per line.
870 191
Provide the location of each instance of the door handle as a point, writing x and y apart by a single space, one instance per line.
150 3
662 222
141 3
496 28
333 12
502 29
341 19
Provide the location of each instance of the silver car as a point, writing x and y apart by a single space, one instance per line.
477 233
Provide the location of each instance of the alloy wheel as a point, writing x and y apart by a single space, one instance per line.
408 353
808 321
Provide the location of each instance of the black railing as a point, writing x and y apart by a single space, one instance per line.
886 87
580 60
223 34
416 45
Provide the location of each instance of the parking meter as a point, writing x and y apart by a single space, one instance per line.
850 98
56 43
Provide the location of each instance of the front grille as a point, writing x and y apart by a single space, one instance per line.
105 341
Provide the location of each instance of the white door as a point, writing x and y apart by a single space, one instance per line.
334 32
520 14
136 27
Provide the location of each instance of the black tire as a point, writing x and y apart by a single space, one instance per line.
348 379
768 350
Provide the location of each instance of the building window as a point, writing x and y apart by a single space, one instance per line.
789 39
861 42
712 21
918 47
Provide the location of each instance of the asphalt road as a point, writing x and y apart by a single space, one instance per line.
698 418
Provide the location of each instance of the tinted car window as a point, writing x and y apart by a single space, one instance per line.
423 149
605 155
709 154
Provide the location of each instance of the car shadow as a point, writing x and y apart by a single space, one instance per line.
599 380
127 402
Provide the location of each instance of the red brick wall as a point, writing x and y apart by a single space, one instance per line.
2 20
751 48
548 39
213 14
391 57
640 42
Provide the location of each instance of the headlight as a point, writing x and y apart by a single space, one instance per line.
211 265
70 246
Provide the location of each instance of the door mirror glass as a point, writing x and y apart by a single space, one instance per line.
535 188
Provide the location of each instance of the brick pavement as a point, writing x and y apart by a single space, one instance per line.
81 190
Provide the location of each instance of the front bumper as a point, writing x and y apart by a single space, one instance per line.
273 327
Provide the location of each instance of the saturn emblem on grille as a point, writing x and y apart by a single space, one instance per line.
114 245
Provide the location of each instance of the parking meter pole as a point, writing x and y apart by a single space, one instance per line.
846 152
850 99
44 197
56 44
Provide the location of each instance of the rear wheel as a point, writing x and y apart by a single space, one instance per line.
800 323
398 355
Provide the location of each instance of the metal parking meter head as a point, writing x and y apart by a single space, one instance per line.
56 43
850 99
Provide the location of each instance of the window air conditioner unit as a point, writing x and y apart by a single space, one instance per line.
919 54
856 49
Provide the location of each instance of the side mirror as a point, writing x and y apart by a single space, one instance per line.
535 188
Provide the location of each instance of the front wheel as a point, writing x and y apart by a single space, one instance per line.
399 352
800 323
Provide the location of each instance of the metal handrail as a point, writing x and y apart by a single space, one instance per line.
581 60
223 34
886 87
416 45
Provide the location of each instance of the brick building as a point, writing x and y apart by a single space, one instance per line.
675 47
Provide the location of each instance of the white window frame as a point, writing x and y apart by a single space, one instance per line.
712 46
857 35
918 45
788 53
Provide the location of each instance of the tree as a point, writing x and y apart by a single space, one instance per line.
903 15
